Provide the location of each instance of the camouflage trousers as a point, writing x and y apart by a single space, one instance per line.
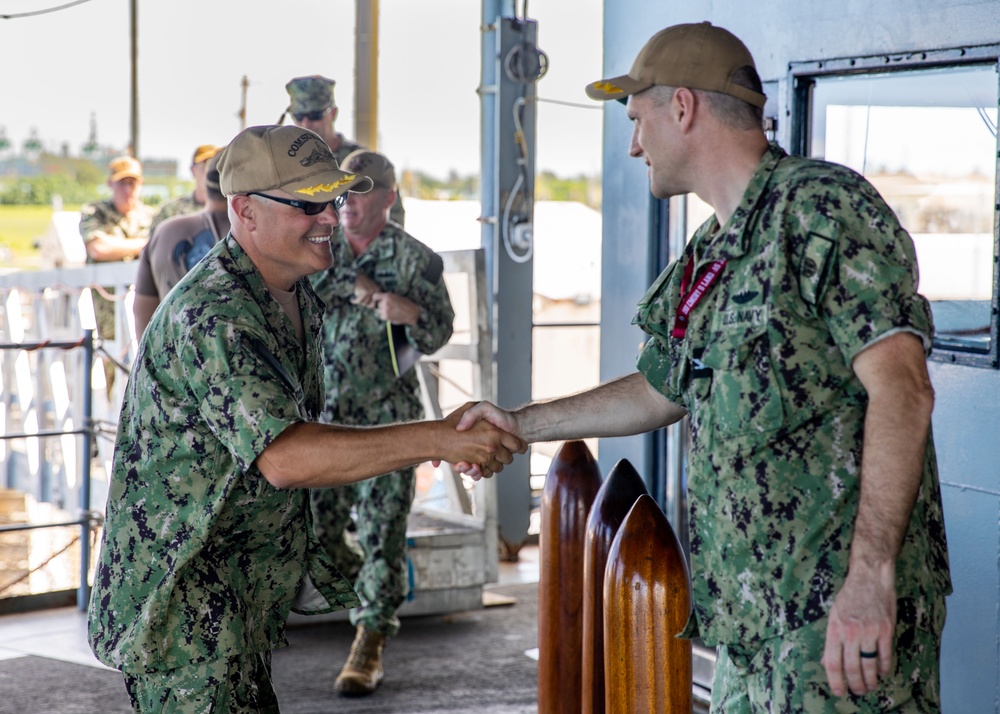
374 558
237 685
785 674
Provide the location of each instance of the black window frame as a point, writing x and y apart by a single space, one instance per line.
802 78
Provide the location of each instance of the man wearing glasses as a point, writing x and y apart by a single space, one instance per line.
208 540
312 106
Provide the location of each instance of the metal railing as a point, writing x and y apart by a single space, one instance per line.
87 519
57 410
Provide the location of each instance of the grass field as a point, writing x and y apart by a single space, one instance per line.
20 228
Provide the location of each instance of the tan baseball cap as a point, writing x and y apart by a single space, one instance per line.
124 167
289 158
373 165
696 56
204 153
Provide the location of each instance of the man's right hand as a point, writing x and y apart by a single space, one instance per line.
489 413
483 442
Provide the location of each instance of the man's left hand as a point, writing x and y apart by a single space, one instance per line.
859 634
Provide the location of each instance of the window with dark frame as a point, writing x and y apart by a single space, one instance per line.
926 137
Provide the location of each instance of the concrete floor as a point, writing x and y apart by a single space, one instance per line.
61 633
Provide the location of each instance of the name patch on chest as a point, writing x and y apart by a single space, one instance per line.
749 316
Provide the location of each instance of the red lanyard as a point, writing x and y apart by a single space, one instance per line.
691 298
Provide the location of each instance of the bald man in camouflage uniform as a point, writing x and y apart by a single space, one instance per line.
208 540
792 334
313 107
382 277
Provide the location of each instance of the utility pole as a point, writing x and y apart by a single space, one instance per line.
366 74
244 83
134 141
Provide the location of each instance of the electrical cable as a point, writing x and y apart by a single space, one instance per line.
525 64
564 103
990 126
14 16
505 228
506 225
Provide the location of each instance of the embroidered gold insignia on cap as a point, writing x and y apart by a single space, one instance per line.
607 87
326 187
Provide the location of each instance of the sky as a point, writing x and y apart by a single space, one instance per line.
60 68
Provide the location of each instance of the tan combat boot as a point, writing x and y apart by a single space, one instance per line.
362 673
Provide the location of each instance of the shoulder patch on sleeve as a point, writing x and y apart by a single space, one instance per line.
814 267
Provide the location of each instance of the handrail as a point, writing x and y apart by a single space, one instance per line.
88 518
32 346
43 434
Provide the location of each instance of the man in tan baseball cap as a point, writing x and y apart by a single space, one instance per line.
220 440
284 189
117 228
696 56
818 549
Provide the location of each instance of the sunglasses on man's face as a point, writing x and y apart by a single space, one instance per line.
310 208
311 116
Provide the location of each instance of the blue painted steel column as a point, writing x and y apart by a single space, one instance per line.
83 593
509 275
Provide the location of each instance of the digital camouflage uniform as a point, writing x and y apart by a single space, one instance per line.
818 269
201 556
103 217
177 207
362 389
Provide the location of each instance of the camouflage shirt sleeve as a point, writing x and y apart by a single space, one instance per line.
243 400
857 267
177 207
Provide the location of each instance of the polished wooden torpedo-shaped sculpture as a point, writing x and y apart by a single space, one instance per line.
570 487
647 600
614 500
